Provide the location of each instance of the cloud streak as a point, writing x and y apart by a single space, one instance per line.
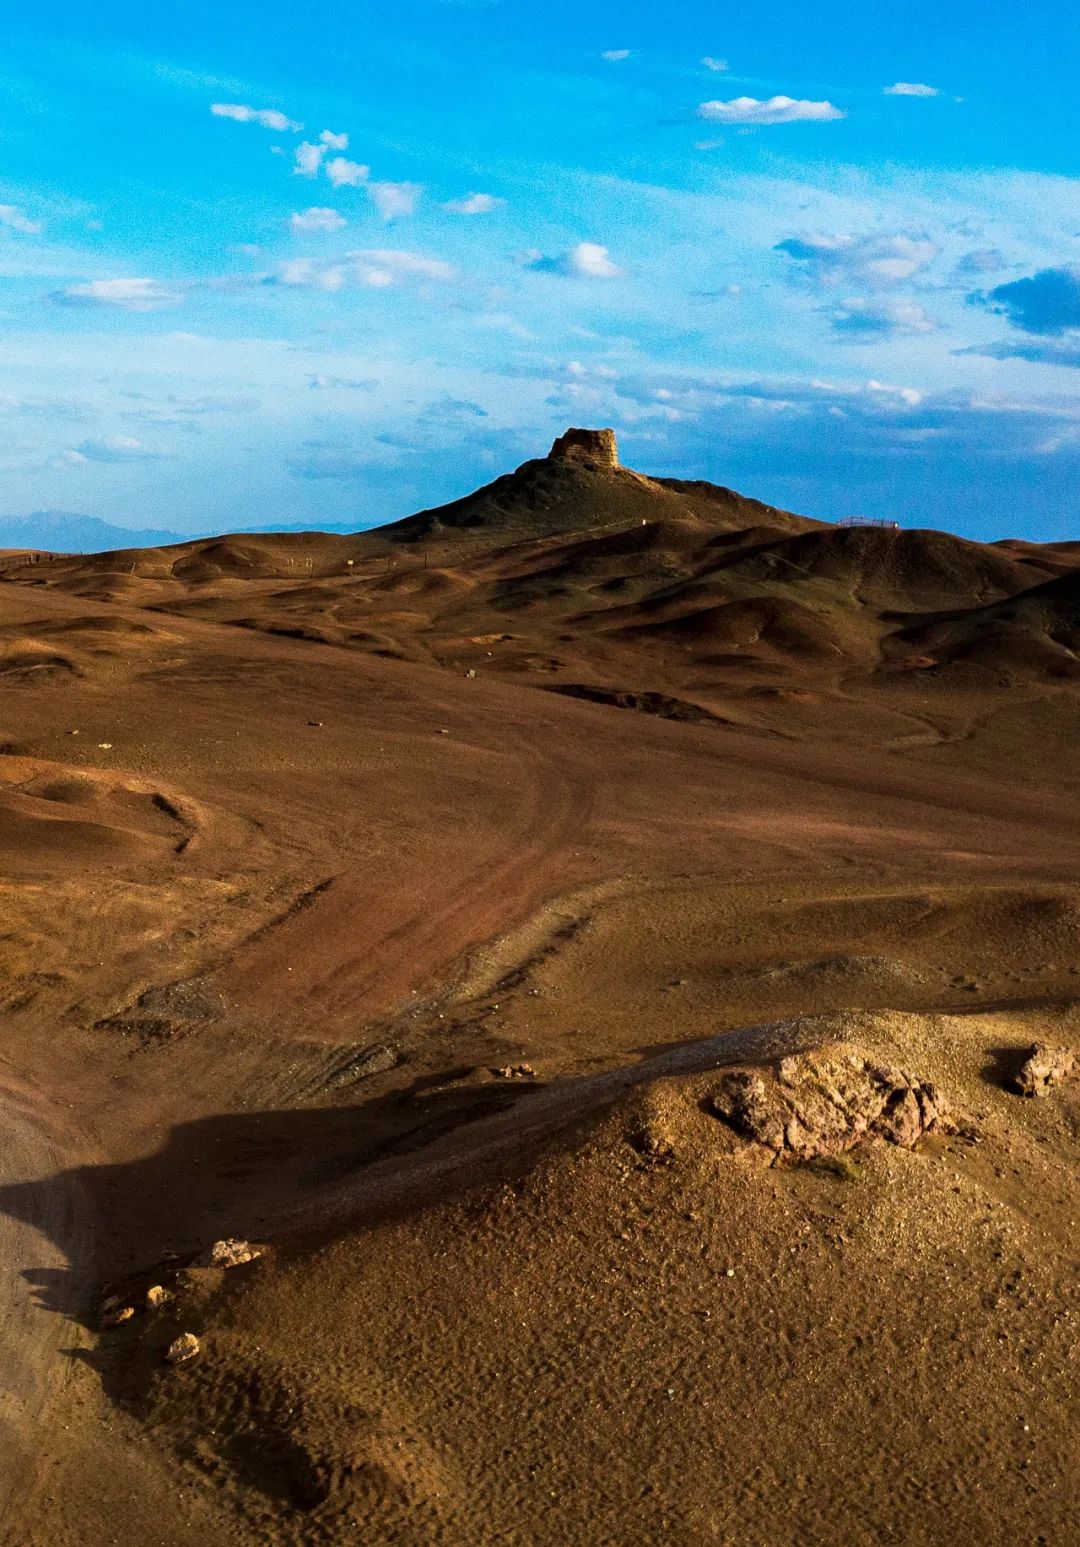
474 204
878 260
773 110
366 268
15 219
317 218
268 117
865 318
130 295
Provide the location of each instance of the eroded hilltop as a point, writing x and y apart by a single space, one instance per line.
589 941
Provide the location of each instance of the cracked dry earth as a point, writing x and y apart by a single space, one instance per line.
625 1108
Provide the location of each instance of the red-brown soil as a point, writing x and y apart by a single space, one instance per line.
412 904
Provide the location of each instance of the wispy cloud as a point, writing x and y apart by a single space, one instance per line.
371 268
317 218
1063 351
15 219
911 89
474 204
588 260
268 117
774 110
111 448
615 55
984 260
324 383
863 317
885 259
130 295
395 200
718 66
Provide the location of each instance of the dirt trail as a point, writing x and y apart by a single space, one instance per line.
43 1264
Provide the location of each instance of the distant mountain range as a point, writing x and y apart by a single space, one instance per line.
66 531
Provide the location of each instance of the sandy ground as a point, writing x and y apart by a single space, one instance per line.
360 943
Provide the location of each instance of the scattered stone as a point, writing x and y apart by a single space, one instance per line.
471 672
822 1105
1044 1066
653 1142
157 1296
229 1253
515 1072
317 724
183 1349
115 1315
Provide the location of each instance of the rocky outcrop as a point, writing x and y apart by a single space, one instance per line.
230 1253
1044 1067
814 1105
595 446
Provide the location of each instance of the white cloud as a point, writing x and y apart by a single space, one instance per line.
308 159
111 448
309 274
718 66
910 396
14 219
393 200
317 218
346 174
867 317
591 261
474 204
369 268
615 55
269 117
400 265
588 260
130 295
887 259
911 89
776 110
321 382
334 141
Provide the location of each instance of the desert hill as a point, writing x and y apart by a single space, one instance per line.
588 942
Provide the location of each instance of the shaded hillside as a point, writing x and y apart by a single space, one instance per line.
1035 633
573 571
573 491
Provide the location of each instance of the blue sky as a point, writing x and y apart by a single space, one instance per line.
287 263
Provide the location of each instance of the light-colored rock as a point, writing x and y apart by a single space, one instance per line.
157 1296
1044 1066
115 1315
229 1253
183 1349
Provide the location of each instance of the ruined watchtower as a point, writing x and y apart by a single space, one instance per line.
598 447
